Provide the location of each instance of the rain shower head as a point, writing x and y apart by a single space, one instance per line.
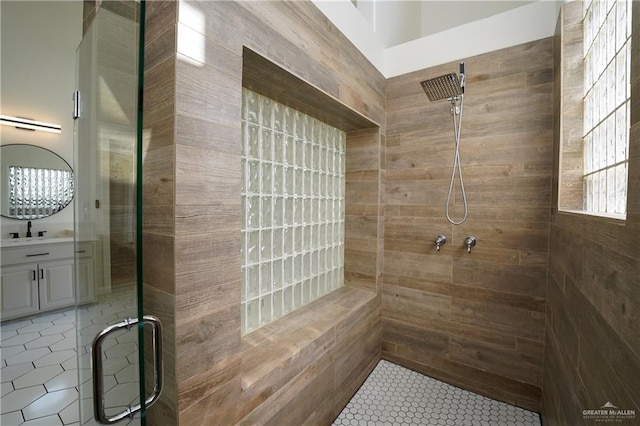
443 87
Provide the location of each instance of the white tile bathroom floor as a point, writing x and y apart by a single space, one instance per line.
39 364
396 396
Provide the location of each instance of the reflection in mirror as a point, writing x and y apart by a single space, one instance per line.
36 182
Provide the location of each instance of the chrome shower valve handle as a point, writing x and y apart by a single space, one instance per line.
440 241
469 242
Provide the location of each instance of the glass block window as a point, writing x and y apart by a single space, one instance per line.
36 193
293 205
607 61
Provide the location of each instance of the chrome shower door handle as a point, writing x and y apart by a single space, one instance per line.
98 378
158 361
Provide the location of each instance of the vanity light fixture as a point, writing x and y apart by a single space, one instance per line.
25 123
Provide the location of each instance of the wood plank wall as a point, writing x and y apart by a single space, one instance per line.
159 219
474 320
570 128
192 233
592 348
364 221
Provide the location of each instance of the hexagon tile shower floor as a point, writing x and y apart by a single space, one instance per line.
396 396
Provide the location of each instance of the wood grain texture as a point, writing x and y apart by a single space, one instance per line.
158 174
570 93
203 252
197 85
159 92
220 403
206 176
207 352
329 350
464 376
482 313
513 364
592 345
263 76
289 371
160 22
310 391
158 177
288 48
363 253
161 304
159 268
209 134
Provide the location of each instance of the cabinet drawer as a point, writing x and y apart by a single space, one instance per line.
36 253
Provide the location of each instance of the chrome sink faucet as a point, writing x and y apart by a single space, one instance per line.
28 229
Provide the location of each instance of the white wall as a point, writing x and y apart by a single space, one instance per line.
532 21
397 22
438 16
37 74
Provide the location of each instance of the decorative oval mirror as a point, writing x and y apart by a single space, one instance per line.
36 182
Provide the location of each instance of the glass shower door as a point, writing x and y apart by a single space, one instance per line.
109 317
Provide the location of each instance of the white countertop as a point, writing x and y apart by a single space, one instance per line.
20 242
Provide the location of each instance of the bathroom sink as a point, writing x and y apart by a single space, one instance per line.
15 242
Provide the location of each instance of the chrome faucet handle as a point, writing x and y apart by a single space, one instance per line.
440 241
469 242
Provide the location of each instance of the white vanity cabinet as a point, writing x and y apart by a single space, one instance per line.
40 277
55 284
19 293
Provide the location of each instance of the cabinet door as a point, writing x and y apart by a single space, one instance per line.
56 284
85 280
19 291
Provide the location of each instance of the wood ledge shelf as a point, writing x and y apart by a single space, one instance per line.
263 76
